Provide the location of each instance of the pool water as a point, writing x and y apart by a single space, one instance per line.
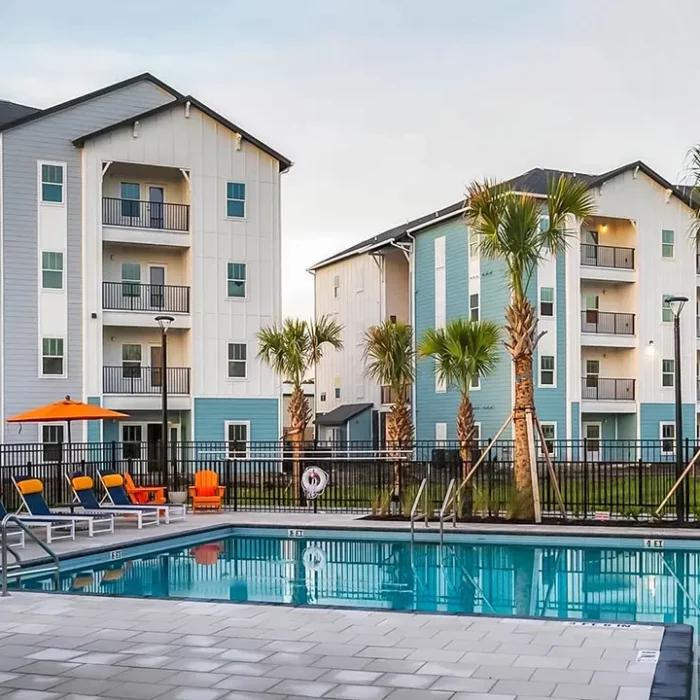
568 581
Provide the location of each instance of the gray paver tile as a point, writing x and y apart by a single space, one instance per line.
406 694
31 682
347 663
310 689
288 647
137 691
145 661
633 694
247 683
506 673
289 659
620 679
339 649
98 672
406 680
435 655
32 695
476 658
543 661
142 675
602 665
297 673
52 654
247 655
562 675
358 692
351 677
384 652
433 668
195 679
10 663
97 657
108 645
472 685
193 693
244 669
482 696
472 645
47 668
523 688
196 665
393 665
585 692
252 695
86 686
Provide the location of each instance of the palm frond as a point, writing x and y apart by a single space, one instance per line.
389 355
694 170
324 331
565 197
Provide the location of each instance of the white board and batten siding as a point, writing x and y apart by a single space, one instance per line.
208 151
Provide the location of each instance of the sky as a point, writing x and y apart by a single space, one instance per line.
388 108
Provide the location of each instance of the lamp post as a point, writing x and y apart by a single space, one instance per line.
164 323
676 304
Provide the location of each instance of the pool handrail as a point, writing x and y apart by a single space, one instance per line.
414 510
449 500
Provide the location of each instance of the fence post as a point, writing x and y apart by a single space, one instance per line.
227 477
640 484
113 456
685 485
585 479
235 485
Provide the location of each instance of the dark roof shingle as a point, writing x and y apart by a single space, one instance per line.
10 111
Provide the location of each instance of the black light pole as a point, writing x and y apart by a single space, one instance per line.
164 323
676 304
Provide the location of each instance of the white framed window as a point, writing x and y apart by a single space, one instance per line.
236 280
549 430
668 243
52 183
52 357
547 370
475 383
52 436
668 373
476 435
547 301
473 244
237 438
666 313
132 439
336 286
235 200
474 307
130 199
667 433
237 360
337 392
323 396
131 361
441 432
592 373
51 270
131 279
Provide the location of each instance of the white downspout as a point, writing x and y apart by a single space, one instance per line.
410 256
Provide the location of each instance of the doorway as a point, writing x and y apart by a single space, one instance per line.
156 280
592 432
156 199
154 433
156 366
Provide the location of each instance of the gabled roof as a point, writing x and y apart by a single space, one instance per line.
182 100
9 111
533 181
342 414
19 121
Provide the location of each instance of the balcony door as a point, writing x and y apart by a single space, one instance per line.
592 379
156 201
592 432
156 366
590 304
156 281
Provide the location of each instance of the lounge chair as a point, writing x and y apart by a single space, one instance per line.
113 484
206 492
31 492
82 488
53 530
144 495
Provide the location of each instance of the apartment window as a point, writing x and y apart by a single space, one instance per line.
473 245
131 280
666 313
476 435
132 437
475 383
131 361
237 280
323 396
237 360
667 432
130 196
337 392
235 200
237 439
668 373
474 307
52 184
52 358
336 286
549 430
667 243
546 370
592 373
52 438
441 432
52 270
546 301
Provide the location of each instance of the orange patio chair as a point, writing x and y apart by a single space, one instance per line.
206 492
144 494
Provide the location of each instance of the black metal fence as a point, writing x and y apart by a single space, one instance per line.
622 481
143 214
133 378
134 296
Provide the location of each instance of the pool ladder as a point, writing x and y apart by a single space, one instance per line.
415 512
16 568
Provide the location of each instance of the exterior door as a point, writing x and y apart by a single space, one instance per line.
156 366
157 286
590 305
589 250
154 432
591 389
592 432
156 199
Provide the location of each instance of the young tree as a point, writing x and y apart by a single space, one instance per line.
463 351
291 351
510 226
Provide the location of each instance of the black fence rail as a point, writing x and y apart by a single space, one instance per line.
608 322
607 256
134 296
143 214
136 379
622 481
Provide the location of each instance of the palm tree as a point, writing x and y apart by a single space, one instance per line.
694 170
463 351
291 350
510 226
389 358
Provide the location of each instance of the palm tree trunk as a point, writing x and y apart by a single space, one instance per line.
465 437
299 413
521 326
400 429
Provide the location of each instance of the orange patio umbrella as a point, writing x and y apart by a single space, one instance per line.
65 411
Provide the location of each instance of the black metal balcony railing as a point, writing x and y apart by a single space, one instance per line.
388 395
134 296
135 379
697 326
607 256
594 388
697 263
610 322
140 214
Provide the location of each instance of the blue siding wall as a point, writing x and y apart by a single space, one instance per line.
210 416
651 414
360 426
94 426
575 421
110 431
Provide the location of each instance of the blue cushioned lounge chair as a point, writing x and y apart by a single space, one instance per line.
52 529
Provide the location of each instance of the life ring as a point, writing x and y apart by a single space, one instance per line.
314 558
314 481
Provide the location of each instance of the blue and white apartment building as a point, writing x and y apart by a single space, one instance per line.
127 203
604 368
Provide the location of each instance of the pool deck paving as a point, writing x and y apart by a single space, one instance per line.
76 648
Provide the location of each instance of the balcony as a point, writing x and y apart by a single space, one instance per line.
607 329
151 223
594 388
134 296
145 380
606 262
388 396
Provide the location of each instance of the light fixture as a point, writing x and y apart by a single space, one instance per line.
164 322
676 304
603 228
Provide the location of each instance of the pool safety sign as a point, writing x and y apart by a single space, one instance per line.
314 481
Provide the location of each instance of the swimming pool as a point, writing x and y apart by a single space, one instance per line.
576 578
